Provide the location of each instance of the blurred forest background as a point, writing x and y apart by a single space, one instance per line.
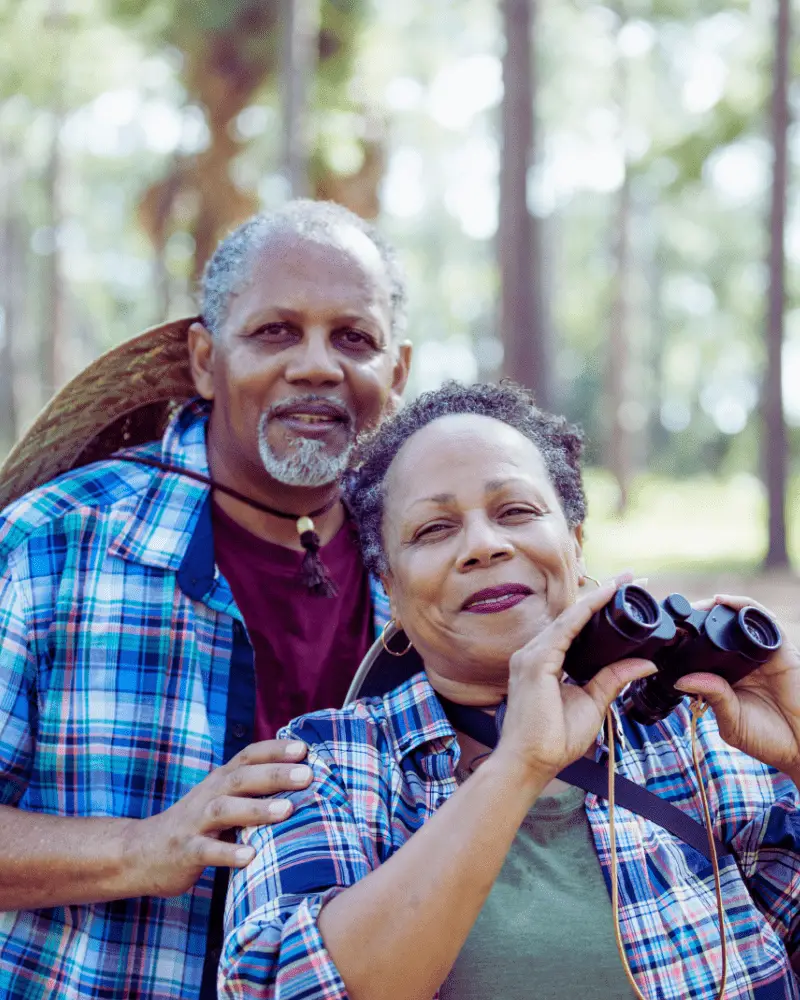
598 198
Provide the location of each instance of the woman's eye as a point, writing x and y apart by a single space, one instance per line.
429 532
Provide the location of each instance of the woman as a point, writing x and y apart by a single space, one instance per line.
470 507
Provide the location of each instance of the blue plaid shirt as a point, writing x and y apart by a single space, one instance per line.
383 766
119 643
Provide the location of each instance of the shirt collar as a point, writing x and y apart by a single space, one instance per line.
161 526
416 717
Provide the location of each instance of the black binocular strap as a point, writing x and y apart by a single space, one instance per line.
593 777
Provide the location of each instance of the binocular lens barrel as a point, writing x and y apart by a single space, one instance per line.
634 612
759 635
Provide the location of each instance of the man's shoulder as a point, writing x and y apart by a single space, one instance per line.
90 492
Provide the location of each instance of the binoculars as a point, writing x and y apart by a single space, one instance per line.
678 638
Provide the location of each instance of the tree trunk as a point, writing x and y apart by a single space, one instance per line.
522 314
8 290
620 445
301 47
775 442
619 429
53 326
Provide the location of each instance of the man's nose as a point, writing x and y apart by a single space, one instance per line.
483 543
314 361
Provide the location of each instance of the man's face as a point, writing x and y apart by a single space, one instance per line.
304 361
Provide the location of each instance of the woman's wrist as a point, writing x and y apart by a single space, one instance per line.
512 767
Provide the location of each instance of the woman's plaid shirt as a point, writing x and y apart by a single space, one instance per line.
116 639
382 766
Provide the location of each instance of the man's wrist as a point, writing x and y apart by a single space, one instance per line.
135 872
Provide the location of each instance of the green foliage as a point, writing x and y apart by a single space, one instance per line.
701 523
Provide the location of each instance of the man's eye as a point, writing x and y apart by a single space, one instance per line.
355 340
273 332
522 511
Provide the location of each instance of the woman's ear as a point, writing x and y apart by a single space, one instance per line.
577 541
386 583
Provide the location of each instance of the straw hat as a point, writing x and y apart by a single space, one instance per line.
122 399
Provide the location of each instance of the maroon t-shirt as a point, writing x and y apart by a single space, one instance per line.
307 648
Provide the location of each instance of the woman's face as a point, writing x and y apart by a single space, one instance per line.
480 555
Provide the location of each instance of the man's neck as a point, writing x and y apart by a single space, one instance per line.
296 500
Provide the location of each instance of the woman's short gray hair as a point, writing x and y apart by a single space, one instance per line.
559 442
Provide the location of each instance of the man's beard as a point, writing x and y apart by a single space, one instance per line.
305 463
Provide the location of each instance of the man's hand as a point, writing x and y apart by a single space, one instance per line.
171 849
761 714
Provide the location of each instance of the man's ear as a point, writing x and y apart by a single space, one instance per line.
402 366
201 359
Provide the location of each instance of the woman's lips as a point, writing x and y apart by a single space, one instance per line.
495 599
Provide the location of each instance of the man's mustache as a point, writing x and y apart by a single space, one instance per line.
317 405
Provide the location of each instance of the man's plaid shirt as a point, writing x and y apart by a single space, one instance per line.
116 639
382 766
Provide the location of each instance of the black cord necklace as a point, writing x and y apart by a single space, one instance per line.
313 572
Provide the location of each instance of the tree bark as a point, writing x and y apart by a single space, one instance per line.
301 47
774 443
522 313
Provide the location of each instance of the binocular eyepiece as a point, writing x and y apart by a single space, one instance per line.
678 638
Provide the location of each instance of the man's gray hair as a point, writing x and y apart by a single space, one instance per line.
229 270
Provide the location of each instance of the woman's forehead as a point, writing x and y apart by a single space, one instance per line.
461 450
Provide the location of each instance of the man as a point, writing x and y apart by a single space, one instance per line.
161 610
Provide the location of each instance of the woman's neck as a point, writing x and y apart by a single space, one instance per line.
480 694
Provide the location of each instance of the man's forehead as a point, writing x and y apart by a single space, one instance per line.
336 245
336 268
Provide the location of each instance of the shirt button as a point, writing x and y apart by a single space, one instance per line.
239 730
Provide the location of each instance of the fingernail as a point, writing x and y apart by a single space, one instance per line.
626 576
296 749
280 808
640 581
300 774
244 854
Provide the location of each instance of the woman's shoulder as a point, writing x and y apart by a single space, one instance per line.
378 725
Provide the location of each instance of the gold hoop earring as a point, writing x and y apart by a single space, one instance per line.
390 651
594 580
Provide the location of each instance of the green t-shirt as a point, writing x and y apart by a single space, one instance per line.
546 930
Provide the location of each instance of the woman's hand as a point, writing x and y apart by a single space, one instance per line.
761 714
550 724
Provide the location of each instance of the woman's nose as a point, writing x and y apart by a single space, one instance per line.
313 361
484 544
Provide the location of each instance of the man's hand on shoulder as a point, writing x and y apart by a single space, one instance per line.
172 848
